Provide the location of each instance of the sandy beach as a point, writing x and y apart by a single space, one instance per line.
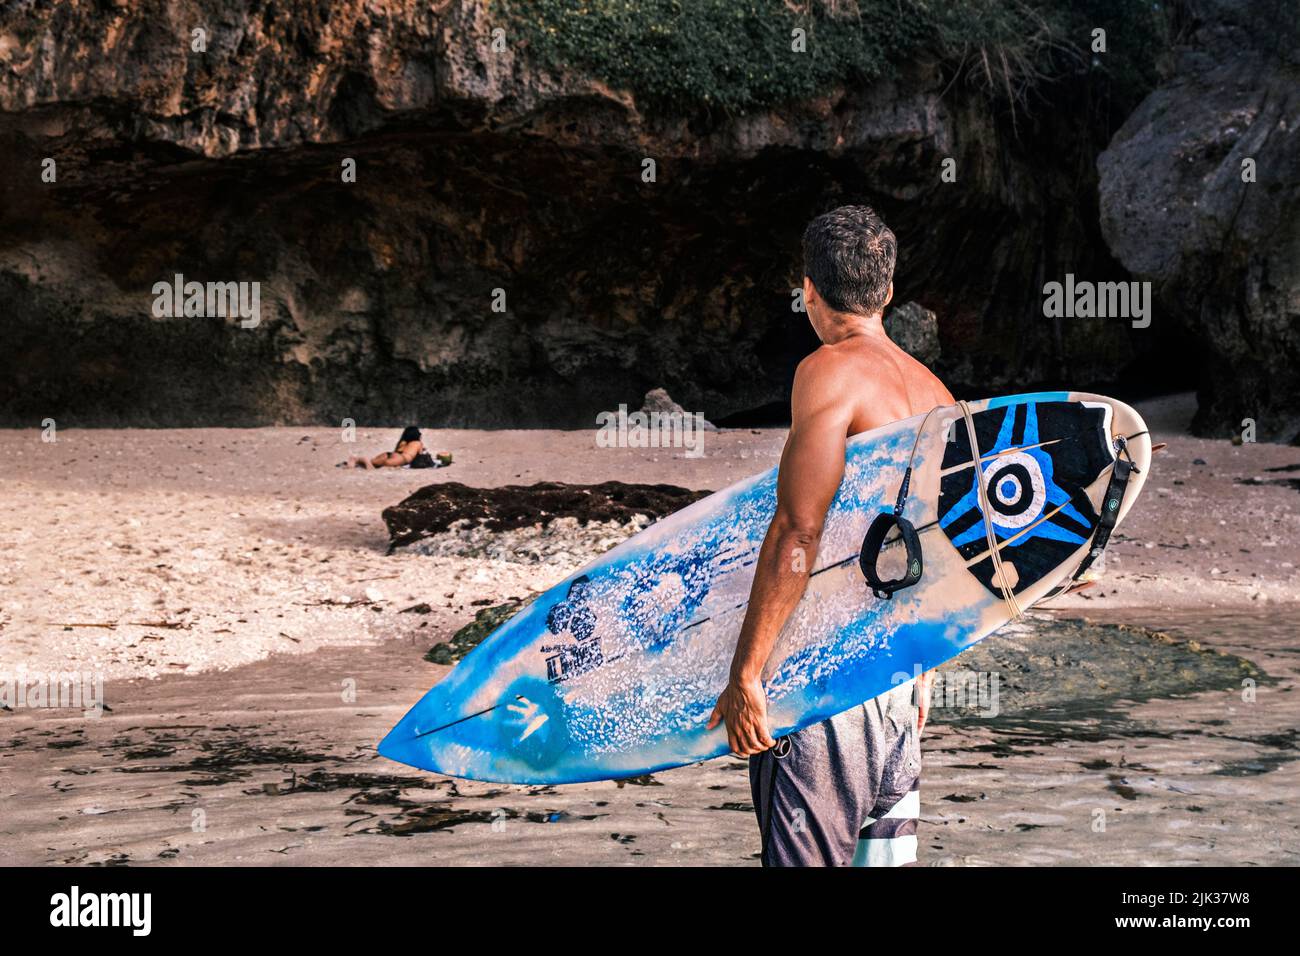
229 235
233 589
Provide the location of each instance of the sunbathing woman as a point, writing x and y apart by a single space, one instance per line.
409 451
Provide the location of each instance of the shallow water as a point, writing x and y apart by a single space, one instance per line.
1050 669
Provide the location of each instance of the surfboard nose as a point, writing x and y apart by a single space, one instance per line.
519 736
400 743
413 739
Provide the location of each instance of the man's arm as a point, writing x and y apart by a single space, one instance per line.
812 466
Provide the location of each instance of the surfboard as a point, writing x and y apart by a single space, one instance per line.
614 672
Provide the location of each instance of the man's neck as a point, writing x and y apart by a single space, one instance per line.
848 325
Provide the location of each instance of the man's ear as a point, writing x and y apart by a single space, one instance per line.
809 292
889 296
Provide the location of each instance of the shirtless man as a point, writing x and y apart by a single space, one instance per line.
845 791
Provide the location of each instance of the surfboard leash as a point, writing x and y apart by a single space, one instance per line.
1123 468
874 542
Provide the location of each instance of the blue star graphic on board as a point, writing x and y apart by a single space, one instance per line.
1022 491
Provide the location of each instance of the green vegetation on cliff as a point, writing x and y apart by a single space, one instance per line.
737 55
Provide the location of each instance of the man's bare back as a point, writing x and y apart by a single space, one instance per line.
885 384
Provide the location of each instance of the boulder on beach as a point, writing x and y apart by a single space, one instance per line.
435 508
915 330
1200 195
471 635
658 401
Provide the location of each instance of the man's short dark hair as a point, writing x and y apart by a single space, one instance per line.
849 254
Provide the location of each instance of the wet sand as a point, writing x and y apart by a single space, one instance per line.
244 583
269 764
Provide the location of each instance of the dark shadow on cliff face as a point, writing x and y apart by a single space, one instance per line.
377 297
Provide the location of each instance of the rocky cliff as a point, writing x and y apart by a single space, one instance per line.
1200 195
501 257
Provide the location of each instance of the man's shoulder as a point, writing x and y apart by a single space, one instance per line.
826 361
830 379
821 372
831 368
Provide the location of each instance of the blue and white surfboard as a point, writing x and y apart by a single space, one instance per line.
614 671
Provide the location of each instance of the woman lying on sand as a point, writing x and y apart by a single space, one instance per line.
409 451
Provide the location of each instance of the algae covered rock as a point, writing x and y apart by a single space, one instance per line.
472 634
